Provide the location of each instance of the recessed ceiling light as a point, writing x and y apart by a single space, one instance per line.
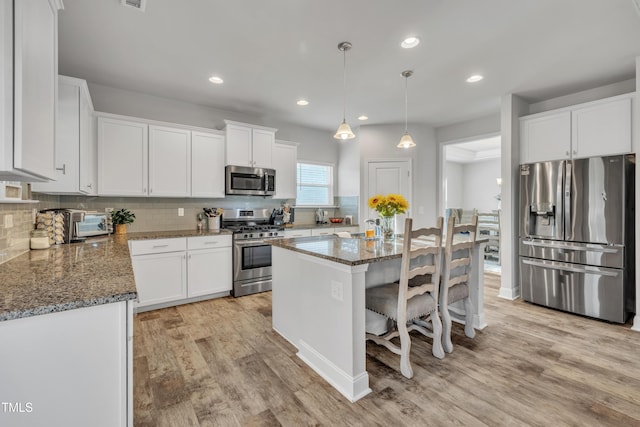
363 117
215 79
475 78
303 102
410 42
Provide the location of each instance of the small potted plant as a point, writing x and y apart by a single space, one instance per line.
121 218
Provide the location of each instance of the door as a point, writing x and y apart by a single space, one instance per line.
542 200
122 158
169 162
386 177
160 277
207 165
262 145
209 271
545 137
35 81
597 200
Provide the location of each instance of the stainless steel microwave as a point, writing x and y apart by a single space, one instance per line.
247 181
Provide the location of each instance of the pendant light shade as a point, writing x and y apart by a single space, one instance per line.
406 141
344 130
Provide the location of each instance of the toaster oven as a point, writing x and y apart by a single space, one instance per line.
94 224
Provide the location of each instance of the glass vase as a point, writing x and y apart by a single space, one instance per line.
388 224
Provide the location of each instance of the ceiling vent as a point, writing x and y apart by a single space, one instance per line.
136 4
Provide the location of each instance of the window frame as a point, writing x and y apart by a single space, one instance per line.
330 186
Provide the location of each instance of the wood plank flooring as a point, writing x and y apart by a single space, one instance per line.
219 363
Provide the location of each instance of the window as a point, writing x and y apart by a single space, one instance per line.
315 184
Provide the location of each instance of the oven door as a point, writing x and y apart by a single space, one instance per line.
251 260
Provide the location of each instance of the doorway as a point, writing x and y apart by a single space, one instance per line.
471 184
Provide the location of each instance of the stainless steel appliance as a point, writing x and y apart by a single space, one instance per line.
246 181
251 250
94 224
577 231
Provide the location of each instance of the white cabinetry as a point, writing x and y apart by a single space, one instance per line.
597 128
76 171
207 165
285 159
122 157
324 231
209 265
179 270
28 85
169 162
601 129
160 269
249 145
546 137
74 367
306 232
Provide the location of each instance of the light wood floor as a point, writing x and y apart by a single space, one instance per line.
219 363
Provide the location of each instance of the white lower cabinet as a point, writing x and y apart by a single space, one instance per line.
175 271
72 368
297 233
324 231
210 265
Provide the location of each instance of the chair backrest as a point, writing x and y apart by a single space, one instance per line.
458 252
420 270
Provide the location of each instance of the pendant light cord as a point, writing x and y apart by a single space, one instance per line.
406 79
344 83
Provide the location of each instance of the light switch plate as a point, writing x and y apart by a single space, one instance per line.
180 211
336 290
8 221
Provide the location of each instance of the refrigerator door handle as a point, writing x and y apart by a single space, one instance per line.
569 268
568 177
571 248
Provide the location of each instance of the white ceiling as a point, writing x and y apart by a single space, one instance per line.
271 53
473 151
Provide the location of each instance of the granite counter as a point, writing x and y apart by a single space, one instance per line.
64 277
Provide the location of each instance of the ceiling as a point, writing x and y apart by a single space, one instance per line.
473 151
272 53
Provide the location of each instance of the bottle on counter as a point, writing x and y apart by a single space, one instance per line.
39 239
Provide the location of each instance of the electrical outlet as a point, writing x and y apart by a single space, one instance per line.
8 221
180 211
336 290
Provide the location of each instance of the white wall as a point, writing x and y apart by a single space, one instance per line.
469 129
480 186
379 142
454 197
315 144
348 168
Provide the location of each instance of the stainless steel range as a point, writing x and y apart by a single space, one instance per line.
251 250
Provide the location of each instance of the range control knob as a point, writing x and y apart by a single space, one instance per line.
261 234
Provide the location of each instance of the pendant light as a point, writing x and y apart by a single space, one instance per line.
406 141
344 130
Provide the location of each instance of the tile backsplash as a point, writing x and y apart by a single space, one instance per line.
151 214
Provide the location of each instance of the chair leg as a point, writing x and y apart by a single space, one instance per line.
446 329
436 324
468 318
405 349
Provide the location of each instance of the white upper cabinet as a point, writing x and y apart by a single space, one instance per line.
249 145
122 157
598 128
207 165
169 162
602 129
28 85
76 169
547 137
285 158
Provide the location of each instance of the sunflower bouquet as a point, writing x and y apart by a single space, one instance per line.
389 205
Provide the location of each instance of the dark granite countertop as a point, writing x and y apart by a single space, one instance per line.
64 277
350 251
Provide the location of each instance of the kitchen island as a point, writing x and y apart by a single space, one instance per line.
66 328
319 300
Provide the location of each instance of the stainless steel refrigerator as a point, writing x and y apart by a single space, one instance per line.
577 235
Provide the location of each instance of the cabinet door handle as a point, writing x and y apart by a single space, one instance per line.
63 169
150 190
189 256
89 186
575 151
210 243
159 246
144 189
567 153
